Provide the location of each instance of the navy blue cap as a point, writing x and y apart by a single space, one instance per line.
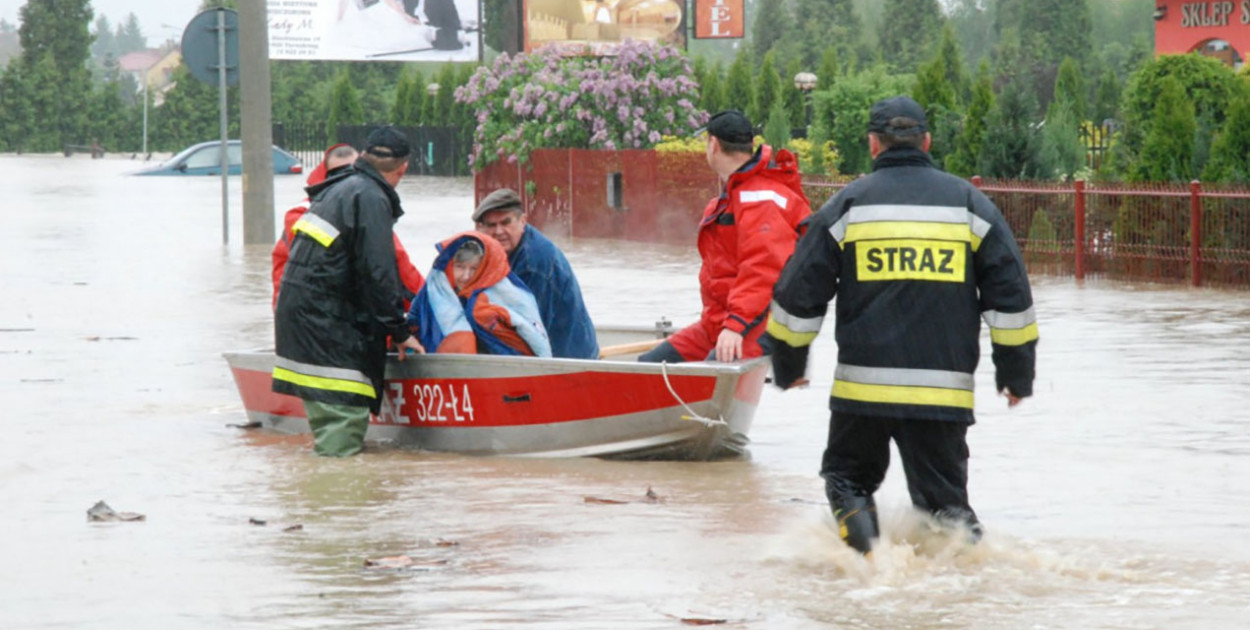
898 116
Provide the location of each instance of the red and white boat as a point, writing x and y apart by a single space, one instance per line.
531 407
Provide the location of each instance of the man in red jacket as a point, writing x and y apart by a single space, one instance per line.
338 157
745 237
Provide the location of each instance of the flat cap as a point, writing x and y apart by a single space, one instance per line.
502 199
730 125
387 142
898 116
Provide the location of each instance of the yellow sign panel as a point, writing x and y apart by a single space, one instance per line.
938 261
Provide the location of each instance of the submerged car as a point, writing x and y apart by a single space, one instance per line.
205 159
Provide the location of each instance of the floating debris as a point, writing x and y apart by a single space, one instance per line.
699 621
101 512
298 527
255 424
396 563
649 497
256 521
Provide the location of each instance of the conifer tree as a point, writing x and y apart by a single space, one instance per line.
15 112
1009 148
1070 86
768 89
445 100
830 69
1168 151
777 129
1107 101
912 32
772 23
967 155
953 63
345 107
58 34
1062 152
820 21
796 109
739 87
712 90
1230 154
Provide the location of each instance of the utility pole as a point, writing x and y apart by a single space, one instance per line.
255 102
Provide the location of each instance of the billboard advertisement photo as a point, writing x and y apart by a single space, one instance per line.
599 26
383 30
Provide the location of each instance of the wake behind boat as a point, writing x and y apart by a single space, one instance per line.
532 407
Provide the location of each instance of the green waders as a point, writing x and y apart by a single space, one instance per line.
339 430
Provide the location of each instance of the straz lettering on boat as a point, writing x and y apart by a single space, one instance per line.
404 402
941 261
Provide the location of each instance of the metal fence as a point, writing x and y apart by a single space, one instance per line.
435 150
1192 232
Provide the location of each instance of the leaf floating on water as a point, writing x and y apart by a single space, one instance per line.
102 513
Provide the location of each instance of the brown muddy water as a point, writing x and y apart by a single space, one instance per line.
1113 499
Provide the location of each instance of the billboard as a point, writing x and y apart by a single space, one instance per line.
369 30
599 26
719 19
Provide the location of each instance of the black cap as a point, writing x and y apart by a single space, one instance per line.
387 142
898 116
730 125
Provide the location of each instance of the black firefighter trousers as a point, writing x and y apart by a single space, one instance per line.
935 461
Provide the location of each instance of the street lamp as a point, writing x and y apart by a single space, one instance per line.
805 82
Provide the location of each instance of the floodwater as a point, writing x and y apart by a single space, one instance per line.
1116 498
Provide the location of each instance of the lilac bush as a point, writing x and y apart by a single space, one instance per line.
548 99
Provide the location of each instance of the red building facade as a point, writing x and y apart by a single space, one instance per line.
1218 28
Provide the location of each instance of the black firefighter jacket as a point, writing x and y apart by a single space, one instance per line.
340 295
917 258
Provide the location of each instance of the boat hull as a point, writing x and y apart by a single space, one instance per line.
523 406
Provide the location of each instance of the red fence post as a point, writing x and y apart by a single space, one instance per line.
1195 232
1079 236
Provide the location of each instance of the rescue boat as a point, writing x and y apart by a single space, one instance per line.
531 407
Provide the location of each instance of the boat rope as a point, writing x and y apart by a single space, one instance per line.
691 414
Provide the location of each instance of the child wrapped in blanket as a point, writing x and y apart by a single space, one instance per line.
473 304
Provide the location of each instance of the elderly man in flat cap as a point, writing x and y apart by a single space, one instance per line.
545 270
341 297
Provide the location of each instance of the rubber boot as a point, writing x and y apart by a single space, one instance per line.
338 430
857 521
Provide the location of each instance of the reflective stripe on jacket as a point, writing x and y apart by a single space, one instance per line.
917 258
341 295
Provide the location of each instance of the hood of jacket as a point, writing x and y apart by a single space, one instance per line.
779 165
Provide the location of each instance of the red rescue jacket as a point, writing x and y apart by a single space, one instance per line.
745 238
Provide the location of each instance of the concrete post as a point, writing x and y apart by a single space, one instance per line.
257 123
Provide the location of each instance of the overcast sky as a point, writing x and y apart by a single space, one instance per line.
151 13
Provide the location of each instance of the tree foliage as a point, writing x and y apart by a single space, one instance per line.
840 113
1230 154
1168 150
740 85
712 89
1070 87
966 157
767 89
1009 148
818 22
912 32
772 23
56 45
345 107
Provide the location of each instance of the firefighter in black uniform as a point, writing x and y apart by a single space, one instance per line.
917 258
341 297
